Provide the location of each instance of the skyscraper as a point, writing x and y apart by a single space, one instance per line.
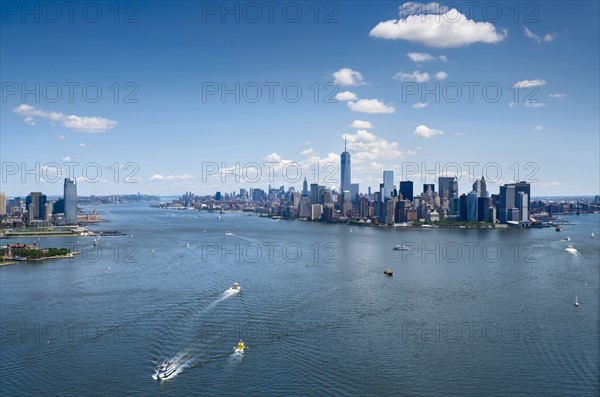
314 193
507 202
525 188
305 188
446 187
70 197
36 205
472 206
2 203
406 189
388 183
345 171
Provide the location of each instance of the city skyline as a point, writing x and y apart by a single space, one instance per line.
161 124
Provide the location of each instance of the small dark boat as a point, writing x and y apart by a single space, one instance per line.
388 272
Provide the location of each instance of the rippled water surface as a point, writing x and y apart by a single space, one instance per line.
467 312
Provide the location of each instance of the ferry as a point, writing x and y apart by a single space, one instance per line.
401 248
165 370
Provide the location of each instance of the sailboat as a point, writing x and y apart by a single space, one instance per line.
576 301
593 235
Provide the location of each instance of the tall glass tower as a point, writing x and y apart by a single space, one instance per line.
388 183
70 193
345 171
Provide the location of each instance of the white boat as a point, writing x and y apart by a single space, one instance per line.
593 235
228 234
567 238
234 288
571 249
239 349
166 369
401 247
95 243
576 301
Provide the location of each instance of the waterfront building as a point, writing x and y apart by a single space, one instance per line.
388 183
70 201
345 170
472 206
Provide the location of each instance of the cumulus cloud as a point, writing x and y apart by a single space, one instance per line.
420 56
425 132
345 96
370 106
415 76
436 25
72 122
529 83
441 75
366 147
361 124
347 76
419 105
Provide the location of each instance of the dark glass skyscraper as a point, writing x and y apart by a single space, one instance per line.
406 189
70 197
345 171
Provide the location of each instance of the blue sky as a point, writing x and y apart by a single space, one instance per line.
170 133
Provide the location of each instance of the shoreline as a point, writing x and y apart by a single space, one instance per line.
70 255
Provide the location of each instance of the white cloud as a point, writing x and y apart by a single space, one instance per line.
61 137
547 37
66 158
539 127
347 76
512 105
419 105
435 25
370 106
420 56
72 122
361 124
82 144
424 57
410 8
558 95
367 147
345 96
307 152
529 83
441 75
425 132
415 76
534 104
159 177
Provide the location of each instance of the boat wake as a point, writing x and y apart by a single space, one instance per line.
189 357
572 250
180 362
